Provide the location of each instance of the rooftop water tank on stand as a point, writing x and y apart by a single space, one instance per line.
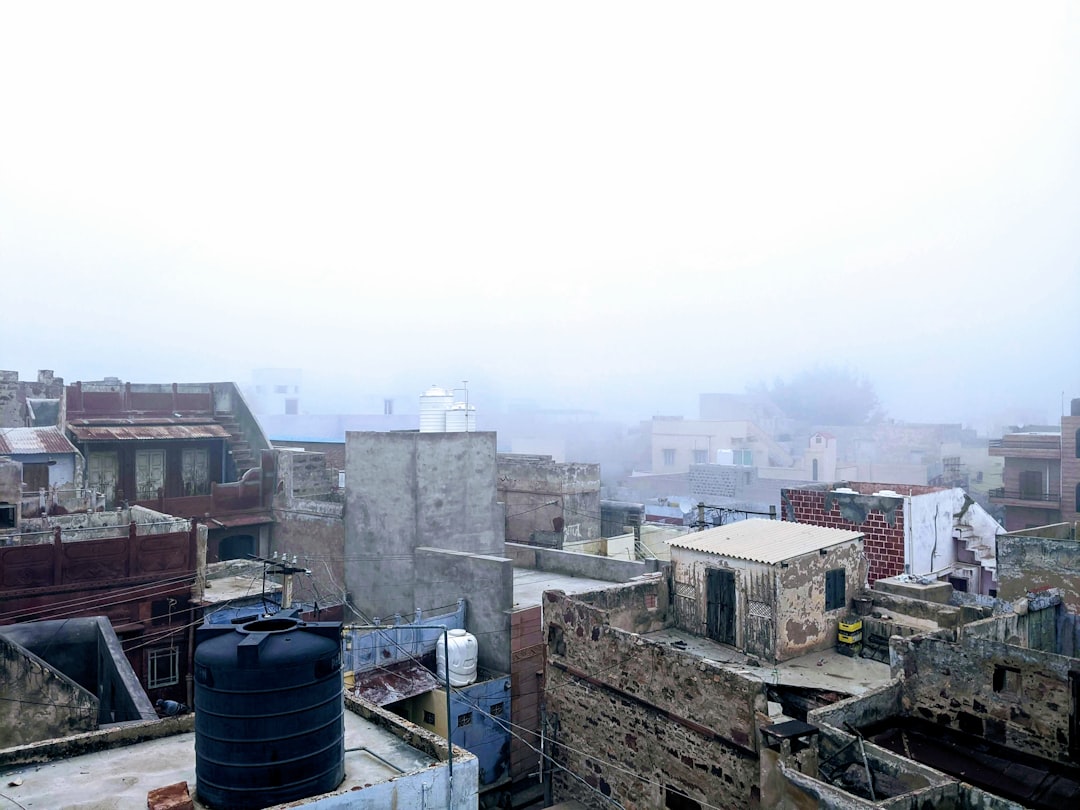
434 403
462 657
461 418
269 724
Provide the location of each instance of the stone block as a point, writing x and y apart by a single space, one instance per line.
170 797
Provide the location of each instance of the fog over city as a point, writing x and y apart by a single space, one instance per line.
596 206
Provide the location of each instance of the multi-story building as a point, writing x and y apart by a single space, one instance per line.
192 450
1041 477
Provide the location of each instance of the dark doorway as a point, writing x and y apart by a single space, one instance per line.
720 605
35 477
1031 484
1074 716
236 547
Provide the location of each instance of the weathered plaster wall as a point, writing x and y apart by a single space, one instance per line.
954 684
1036 564
628 709
930 531
581 565
780 611
40 702
881 519
803 625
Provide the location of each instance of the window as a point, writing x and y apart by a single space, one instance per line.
464 720
743 458
292 407
195 471
281 389
162 667
1031 484
429 717
7 515
35 477
1076 502
701 456
497 709
1007 680
835 589
669 456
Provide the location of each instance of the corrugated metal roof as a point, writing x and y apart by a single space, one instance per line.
121 430
396 682
34 440
765 541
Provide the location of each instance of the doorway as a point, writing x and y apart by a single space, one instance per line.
720 605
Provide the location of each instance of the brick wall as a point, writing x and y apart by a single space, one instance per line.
883 528
526 686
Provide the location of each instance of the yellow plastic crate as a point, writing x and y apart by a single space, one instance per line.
853 626
850 638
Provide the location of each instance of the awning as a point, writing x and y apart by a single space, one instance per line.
232 521
393 683
121 432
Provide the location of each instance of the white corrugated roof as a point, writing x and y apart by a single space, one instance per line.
765 541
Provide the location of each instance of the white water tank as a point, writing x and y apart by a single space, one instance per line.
725 457
461 418
462 657
434 403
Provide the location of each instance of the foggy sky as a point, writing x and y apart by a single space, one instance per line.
611 206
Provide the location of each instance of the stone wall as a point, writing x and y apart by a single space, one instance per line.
542 495
635 718
1009 695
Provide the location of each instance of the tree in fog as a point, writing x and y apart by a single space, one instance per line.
826 396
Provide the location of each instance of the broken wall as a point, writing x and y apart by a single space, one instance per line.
1027 564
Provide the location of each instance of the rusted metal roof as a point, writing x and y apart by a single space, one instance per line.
232 521
122 430
393 683
34 440
764 541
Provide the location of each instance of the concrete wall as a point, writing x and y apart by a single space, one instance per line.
1035 564
627 710
527 486
405 490
487 584
573 564
40 703
309 524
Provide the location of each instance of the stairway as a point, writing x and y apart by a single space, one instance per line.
242 456
984 549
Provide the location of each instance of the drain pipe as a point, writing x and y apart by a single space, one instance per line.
384 761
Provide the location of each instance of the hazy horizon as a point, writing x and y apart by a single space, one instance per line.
613 207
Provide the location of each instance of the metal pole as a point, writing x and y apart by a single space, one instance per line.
446 669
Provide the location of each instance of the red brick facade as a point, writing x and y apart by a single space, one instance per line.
883 544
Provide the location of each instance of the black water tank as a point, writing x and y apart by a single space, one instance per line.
269 726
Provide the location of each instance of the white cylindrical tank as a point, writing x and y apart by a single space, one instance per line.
725 457
461 418
434 403
462 657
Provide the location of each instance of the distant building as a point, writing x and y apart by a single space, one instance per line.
276 391
1041 477
26 403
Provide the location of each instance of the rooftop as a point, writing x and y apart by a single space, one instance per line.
108 430
120 778
530 584
764 541
826 669
34 440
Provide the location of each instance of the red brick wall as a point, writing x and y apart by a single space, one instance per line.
527 651
883 544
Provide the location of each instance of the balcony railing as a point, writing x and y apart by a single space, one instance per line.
1022 495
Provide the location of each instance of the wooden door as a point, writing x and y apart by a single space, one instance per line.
720 605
